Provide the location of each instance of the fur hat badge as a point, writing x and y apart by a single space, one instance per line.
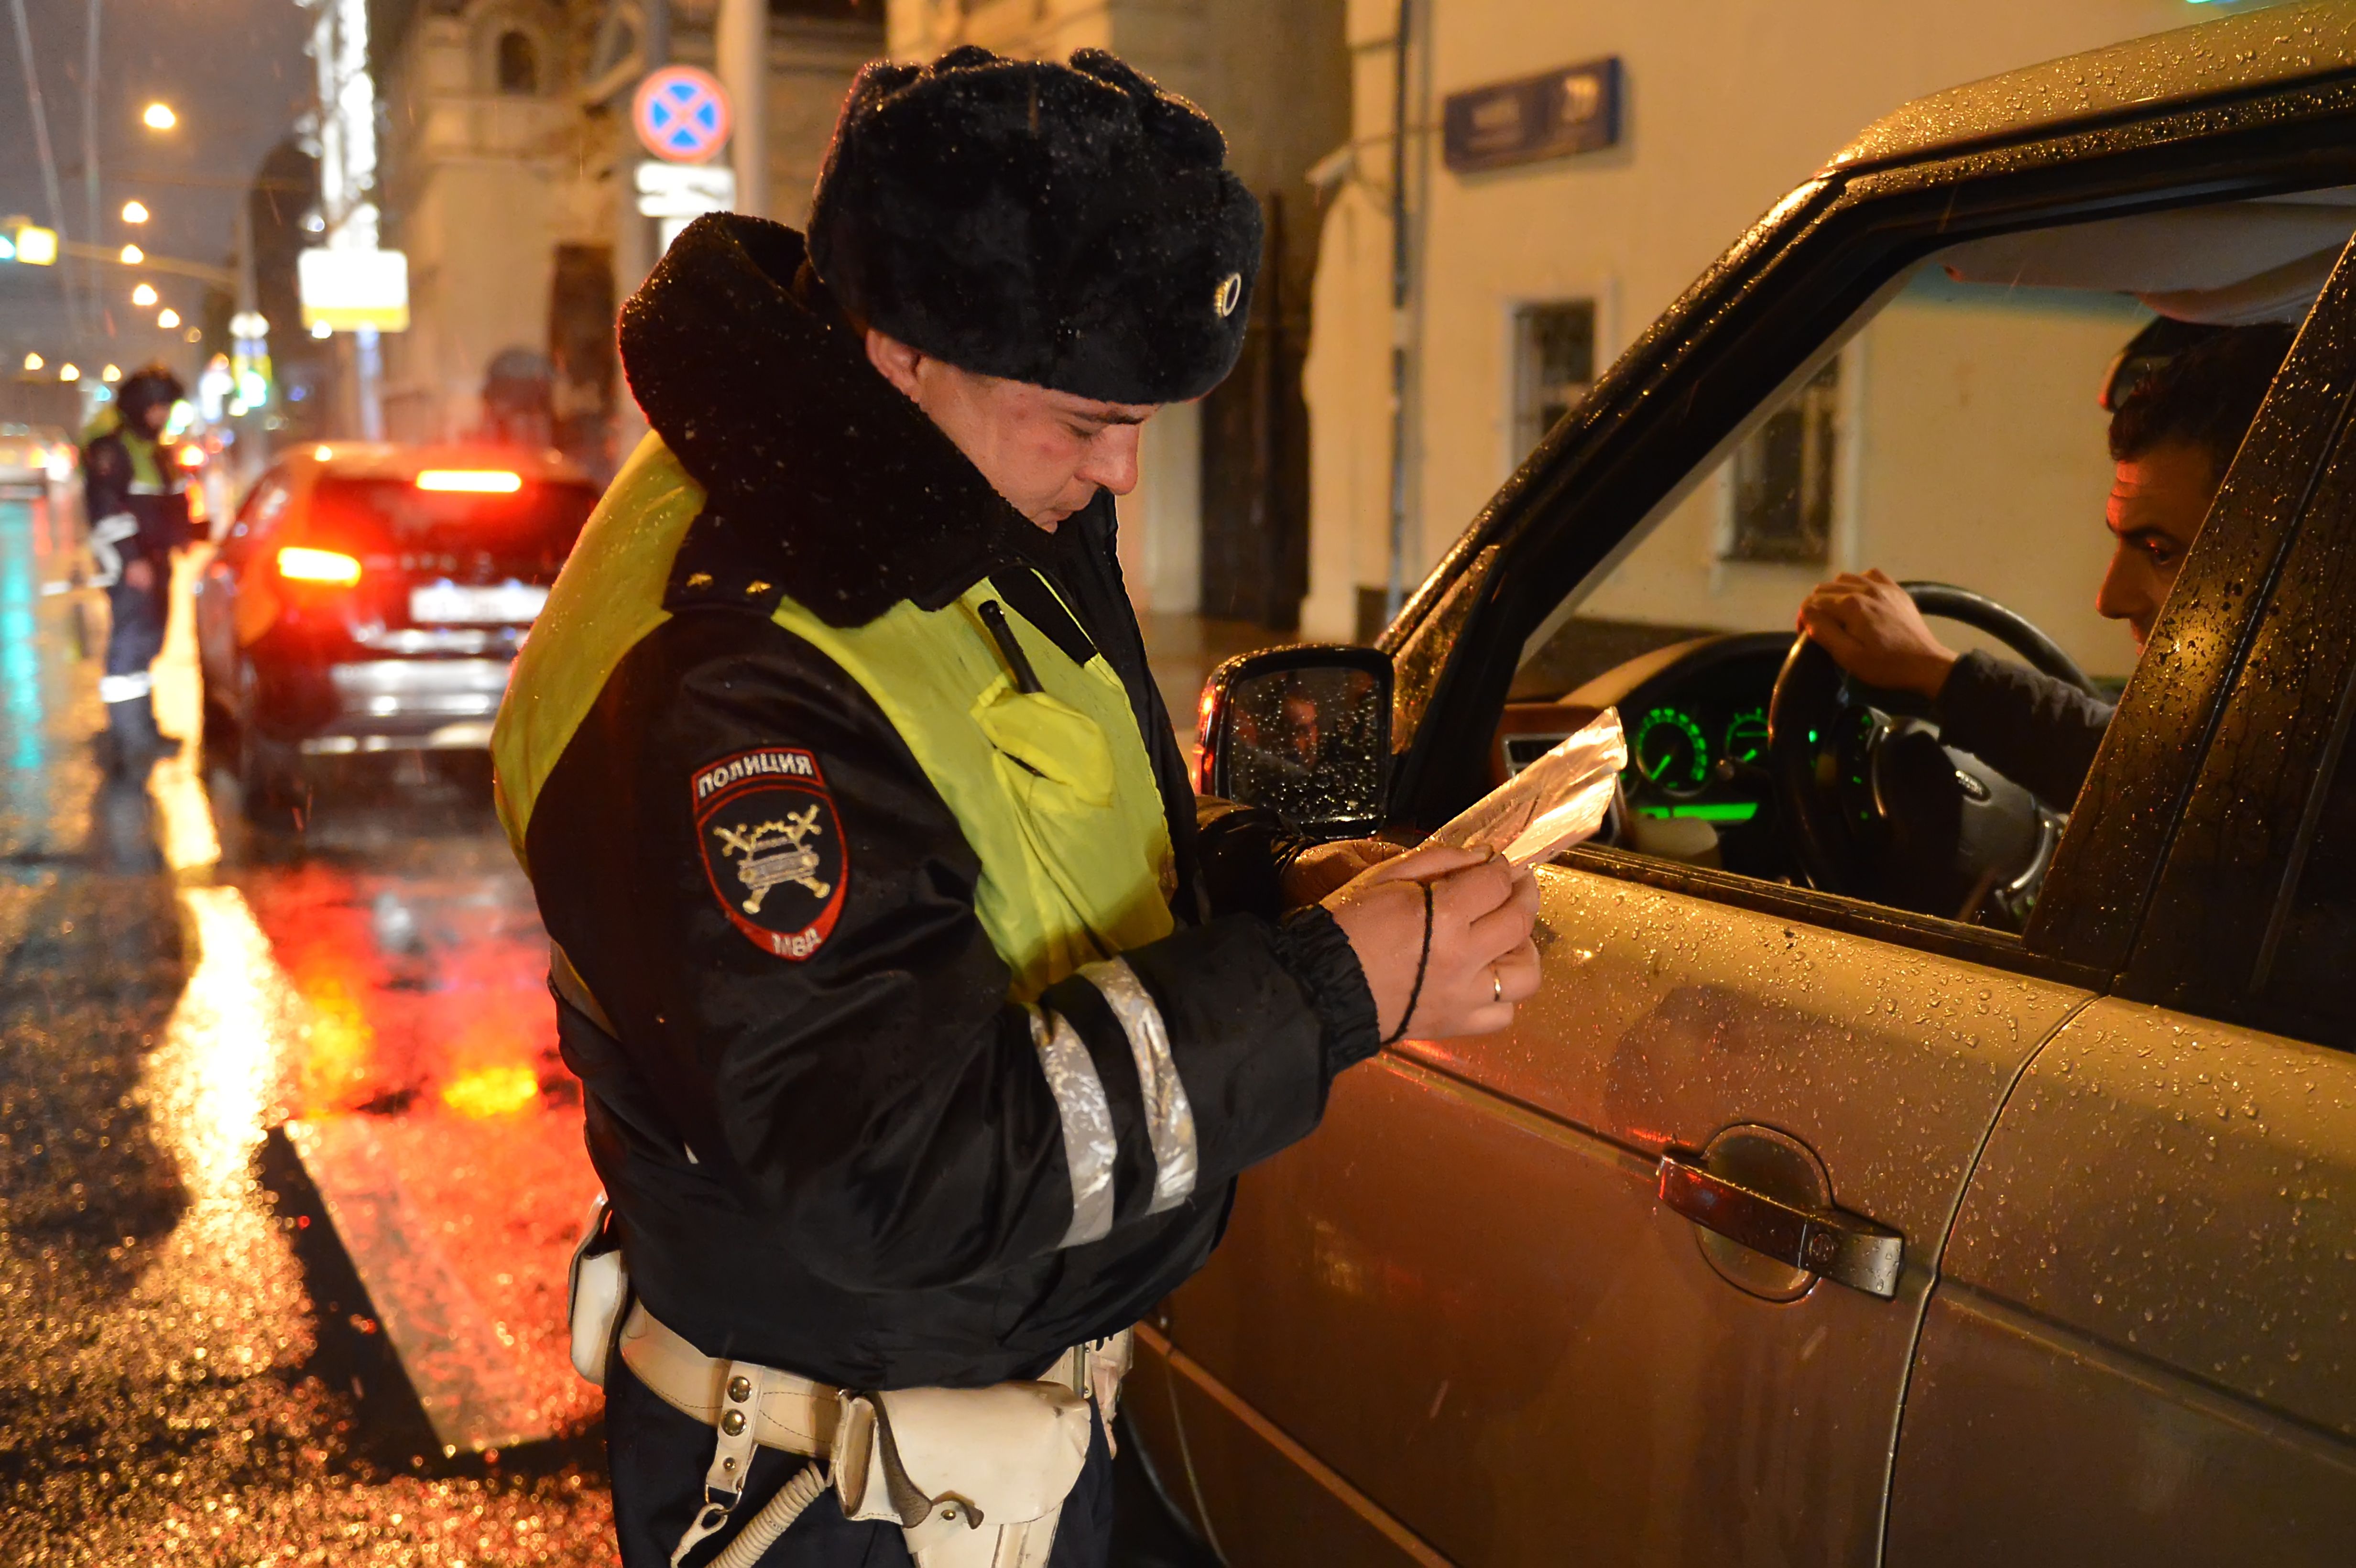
1072 226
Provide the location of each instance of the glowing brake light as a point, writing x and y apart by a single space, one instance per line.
301 565
477 481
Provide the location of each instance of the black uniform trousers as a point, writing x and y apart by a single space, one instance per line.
135 619
658 1458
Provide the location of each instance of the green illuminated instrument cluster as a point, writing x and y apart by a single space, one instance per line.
1677 751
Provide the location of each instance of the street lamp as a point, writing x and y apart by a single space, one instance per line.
111 374
168 318
69 372
159 117
135 212
133 255
143 295
34 362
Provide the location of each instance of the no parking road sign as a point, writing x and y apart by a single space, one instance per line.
682 113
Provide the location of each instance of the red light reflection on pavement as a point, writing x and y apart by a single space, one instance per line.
421 992
429 1015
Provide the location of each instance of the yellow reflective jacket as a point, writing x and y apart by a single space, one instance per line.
1052 789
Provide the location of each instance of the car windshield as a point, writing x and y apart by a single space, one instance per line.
1964 428
531 526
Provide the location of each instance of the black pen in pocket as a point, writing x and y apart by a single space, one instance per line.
1026 679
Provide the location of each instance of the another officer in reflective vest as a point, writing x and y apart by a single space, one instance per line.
135 497
924 1016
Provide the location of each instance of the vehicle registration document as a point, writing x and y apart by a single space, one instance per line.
1557 801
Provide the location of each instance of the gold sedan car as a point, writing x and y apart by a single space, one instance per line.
1896 1167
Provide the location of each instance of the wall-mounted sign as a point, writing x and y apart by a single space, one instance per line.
681 113
345 290
1574 109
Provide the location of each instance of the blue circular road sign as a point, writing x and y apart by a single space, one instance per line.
682 113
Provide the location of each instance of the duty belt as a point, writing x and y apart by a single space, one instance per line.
903 1462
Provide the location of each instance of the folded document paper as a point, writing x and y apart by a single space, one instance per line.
1557 801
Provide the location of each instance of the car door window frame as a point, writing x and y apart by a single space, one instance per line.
1754 323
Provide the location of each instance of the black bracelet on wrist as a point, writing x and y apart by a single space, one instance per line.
1422 962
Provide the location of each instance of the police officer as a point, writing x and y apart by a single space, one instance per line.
924 1017
136 500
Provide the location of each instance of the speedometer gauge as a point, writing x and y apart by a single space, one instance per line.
1671 751
1746 737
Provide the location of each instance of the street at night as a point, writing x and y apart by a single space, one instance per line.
1177 783
192 1370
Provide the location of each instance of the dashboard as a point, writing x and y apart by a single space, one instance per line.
1698 788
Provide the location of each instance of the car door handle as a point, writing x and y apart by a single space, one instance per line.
1847 1249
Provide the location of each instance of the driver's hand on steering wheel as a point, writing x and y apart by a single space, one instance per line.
1872 630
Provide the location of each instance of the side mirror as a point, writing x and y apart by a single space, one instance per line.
1304 731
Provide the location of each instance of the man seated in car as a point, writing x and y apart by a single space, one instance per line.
2171 437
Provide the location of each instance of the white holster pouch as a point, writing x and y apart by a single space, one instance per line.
974 1478
596 1287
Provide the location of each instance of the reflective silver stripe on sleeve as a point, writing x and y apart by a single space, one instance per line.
1169 1116
1088 1143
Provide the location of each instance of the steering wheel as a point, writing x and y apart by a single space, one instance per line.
1880 808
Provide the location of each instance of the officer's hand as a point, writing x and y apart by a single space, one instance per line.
138 576
1482 960
1326 867
1872 629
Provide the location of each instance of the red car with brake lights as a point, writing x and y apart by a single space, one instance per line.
369 598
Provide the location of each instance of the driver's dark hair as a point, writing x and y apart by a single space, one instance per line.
2206 396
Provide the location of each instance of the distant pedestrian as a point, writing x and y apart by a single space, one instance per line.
138 503
927 1017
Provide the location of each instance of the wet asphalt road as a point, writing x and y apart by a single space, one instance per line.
188 1371
191 1370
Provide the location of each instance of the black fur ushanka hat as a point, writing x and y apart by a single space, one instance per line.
1071 226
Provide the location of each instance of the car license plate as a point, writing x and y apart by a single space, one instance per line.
501 605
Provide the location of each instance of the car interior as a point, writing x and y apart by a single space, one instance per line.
1954 434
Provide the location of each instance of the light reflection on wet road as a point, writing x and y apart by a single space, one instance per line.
186 1372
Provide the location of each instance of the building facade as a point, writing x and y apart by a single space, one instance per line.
1527 279
509 180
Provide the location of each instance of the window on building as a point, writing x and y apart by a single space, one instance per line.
1783 479
519 64
1554 364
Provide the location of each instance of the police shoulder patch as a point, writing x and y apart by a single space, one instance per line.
772 847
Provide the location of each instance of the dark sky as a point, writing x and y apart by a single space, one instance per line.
236 73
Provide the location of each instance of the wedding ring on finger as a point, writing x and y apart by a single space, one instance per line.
1498 984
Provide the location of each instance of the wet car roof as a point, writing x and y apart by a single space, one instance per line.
2229 55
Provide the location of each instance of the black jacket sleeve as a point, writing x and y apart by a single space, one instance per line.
1243 852
2038 732
115 536
880 1102
106 479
